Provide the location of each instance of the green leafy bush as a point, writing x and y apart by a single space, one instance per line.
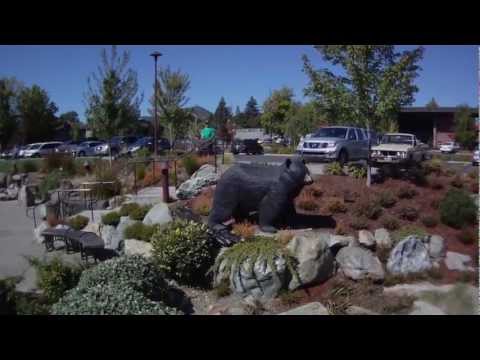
357 172
126 209
139 213
334 168
468 236
408 230
369 208
191 164
184 250
429 221
139 231
55 277
406 192
111 218
457 209
408 213
28 166
390 223
386 199
359 223
78 222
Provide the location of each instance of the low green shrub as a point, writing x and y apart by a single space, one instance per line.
139 231
408 230
78 222
111 218
429 221
139 213
55 277
457 209
357 172
408 213
191 164
386 199
126 209
334 168
390 223
185 251
406 192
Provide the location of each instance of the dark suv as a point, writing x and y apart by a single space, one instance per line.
247 146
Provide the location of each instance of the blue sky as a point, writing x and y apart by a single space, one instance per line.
450 73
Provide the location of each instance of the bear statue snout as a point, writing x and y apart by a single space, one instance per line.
308 179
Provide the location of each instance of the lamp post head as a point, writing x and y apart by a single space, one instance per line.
156 54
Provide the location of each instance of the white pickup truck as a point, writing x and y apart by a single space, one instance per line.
399 148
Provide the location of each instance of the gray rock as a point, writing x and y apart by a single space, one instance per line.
382 238
205 176
159 214
341 241
12 192
314 308
261 283
457 261
436 247
409 256
359 263
424 308
366 239
357 310
110 237
125 222
137 247
315 261
38 230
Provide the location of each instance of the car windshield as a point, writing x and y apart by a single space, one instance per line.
397 139
34 146
331 132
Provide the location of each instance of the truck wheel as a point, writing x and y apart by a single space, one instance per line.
343 157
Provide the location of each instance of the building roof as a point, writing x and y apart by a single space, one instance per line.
440 109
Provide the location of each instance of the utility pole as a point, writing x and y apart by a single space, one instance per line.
155 55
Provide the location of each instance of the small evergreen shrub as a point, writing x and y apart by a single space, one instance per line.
111 218
185 251
386 199
359 223
191 164
139 213
357 172
368 208
406 192
334 168
429 221
78 222
139 231
408 230
390 223
457 209
127 209
408 213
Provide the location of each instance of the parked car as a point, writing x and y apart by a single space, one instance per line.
67 146
449 147
147 143
247 146
476 157
117 143
336 143
86 148
399 148
22 149
41 149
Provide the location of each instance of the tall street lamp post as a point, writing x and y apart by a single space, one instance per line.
155 55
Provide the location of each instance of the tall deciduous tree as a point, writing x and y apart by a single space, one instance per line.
9 89
171 100
302 120
37 114
465 132
276 110
376 83
113 103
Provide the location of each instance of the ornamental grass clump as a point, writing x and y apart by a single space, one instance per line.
140 212
386 199
369 208
139 231
111 218
128 208
334 168
185 251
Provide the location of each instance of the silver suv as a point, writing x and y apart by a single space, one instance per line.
337 143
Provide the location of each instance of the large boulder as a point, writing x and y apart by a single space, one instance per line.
315 261
382 238
458 262
205 176
366 239
137 247
38 230
314 308
110 237
410 255
159 214
358 263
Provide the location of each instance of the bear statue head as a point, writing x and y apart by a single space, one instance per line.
296 172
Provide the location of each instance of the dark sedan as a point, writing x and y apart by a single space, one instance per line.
247 146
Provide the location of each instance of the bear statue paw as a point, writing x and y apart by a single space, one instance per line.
223 236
